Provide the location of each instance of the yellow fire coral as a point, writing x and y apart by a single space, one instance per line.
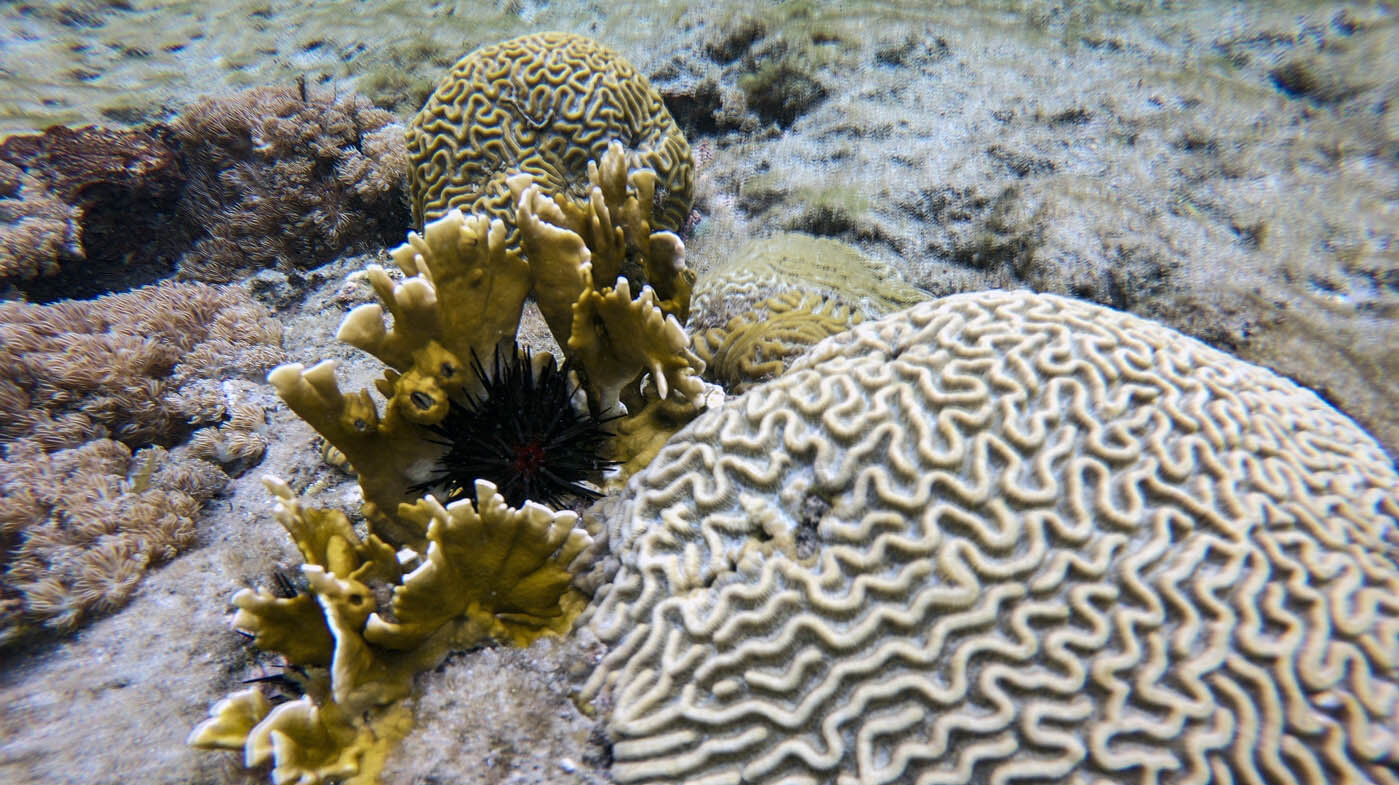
458 260
583 257
544 105
488 571
504 572
591 233
463 299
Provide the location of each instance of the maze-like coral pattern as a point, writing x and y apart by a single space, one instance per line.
1007 537
795 262
544 105
758 345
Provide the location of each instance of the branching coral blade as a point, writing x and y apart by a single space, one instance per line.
294 627
503 560
306 745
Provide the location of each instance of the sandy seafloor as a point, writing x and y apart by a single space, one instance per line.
1231 171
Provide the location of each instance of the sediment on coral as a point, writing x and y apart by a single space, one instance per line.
1003 536
778 296
287 176
91 395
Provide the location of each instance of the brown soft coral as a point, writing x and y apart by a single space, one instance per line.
37 231
88 200
286 176
80 526
139 367
83 386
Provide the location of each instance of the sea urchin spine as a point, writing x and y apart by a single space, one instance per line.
522 433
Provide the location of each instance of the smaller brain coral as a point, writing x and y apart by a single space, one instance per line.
544 105
759 345
777 296
793 261
1007 538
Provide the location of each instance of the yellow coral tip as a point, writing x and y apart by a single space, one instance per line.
230 721
284 377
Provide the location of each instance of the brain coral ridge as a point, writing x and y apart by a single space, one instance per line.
1007 537
544 105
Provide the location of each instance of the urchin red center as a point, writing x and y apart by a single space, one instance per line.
528 458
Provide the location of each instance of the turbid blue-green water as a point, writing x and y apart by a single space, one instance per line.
1226 171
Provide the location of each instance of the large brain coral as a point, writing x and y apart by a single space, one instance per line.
544 105
1008 537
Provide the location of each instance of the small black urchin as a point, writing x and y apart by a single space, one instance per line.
523 434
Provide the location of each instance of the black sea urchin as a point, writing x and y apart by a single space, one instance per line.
523 433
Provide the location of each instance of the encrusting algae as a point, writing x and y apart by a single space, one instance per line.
611 282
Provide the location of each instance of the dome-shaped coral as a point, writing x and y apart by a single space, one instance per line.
1007 537
545 105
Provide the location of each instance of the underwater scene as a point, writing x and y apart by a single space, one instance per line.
709 393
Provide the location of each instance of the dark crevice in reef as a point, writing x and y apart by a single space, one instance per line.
96 210
699 111
121 188
735 40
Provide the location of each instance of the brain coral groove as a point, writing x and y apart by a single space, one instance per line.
1007 537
